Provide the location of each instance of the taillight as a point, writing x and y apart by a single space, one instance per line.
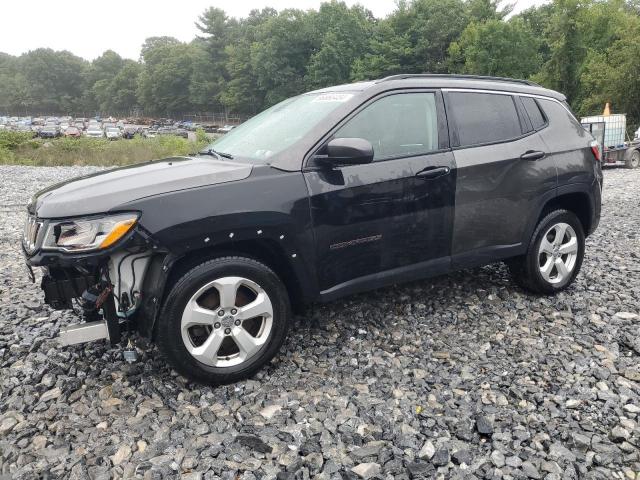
595 148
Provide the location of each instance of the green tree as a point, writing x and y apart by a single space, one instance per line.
537 20
484 10
341 34
496 48
280 53
13 85
209 75
121 92
242 93
614 75
163 85
54 80
387 53
431 26
567 51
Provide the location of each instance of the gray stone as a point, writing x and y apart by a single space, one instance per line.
441 457
462 456
484 426
366 470
497 458
254 443
51 394
420 470
530 470
427 451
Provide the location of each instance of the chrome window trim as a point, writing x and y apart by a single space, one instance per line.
506 92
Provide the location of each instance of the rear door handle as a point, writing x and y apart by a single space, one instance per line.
532 155
433 172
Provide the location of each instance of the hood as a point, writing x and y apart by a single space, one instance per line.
112 189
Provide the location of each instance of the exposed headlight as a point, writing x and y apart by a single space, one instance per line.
88 233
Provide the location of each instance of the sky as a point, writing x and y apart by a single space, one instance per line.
89 27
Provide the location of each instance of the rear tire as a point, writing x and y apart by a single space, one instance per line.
554 255
224 320
633 161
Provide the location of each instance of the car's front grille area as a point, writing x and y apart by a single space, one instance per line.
32 229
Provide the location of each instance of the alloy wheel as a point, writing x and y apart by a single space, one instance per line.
227 321
558 253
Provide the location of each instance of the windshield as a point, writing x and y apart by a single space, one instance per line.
278 127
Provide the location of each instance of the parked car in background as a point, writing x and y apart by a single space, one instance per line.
94 131
226 128
113 133
49 131
179 132
73 132
209 127
130 131
25 129
150 133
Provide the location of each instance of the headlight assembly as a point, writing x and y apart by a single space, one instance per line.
87 234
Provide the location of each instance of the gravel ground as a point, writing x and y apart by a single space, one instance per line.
463 376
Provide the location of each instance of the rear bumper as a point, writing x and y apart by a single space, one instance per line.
596 207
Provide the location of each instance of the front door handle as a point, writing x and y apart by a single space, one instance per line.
432 172
532 155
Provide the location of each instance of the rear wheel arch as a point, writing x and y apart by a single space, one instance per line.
577 202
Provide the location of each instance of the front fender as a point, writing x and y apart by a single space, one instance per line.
268 206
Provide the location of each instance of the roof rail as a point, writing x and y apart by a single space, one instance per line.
403 76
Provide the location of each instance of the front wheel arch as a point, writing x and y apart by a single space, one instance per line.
300 286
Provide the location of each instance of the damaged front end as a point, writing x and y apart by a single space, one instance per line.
94 265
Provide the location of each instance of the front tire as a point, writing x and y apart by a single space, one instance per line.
554 255
224 320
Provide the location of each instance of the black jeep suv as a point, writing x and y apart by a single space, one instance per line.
329 193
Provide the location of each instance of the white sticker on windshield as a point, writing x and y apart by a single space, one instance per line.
333 97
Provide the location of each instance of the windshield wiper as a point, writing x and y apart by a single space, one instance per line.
214 153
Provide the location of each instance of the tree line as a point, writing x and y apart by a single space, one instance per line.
587 49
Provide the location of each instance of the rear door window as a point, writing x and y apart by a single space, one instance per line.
398 125
484 117
533 110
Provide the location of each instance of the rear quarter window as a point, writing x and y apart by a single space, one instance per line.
535 114
564 131
484 117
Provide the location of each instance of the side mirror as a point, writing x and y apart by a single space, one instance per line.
349 151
